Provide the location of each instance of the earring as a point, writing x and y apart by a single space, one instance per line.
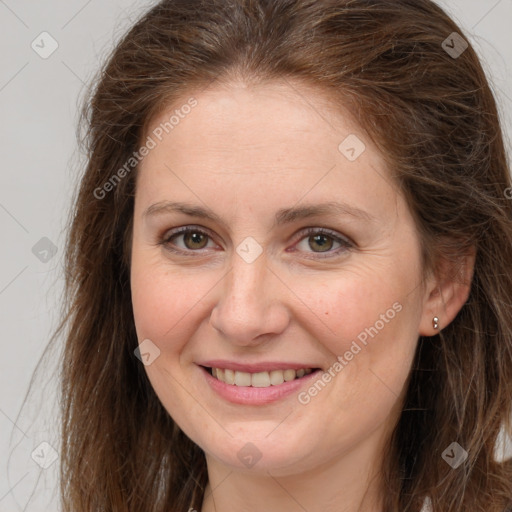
435 322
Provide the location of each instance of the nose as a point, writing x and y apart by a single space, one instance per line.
251 307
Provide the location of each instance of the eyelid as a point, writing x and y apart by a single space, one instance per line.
324 231
346 242
166 237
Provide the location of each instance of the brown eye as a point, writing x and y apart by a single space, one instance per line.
192 240
322 242
195 240
317 241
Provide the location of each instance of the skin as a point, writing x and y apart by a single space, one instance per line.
246 152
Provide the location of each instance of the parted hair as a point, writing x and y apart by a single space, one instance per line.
434 117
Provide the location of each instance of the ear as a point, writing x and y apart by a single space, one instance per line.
446 293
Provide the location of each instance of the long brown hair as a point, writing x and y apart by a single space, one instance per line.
424 99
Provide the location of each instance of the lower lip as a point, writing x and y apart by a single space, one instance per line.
248 395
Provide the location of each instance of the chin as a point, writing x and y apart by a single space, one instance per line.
260 453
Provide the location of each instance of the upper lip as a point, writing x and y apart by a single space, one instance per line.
264 366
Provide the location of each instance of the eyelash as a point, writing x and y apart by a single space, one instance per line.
345 243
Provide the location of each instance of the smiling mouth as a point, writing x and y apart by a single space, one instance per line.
259 379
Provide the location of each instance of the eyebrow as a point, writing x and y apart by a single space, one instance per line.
282 216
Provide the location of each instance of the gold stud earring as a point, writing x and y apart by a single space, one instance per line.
435 322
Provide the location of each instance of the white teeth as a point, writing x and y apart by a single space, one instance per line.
276 377
242 379
229 376
259 379
289 375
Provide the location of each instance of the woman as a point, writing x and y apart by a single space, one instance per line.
288 267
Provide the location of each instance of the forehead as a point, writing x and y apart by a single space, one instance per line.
254 117
261 141
222 95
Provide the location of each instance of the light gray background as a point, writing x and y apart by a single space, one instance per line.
38 105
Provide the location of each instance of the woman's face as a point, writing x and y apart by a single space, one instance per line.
299 254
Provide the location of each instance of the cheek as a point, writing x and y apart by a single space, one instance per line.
162 300
369 320
346 307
